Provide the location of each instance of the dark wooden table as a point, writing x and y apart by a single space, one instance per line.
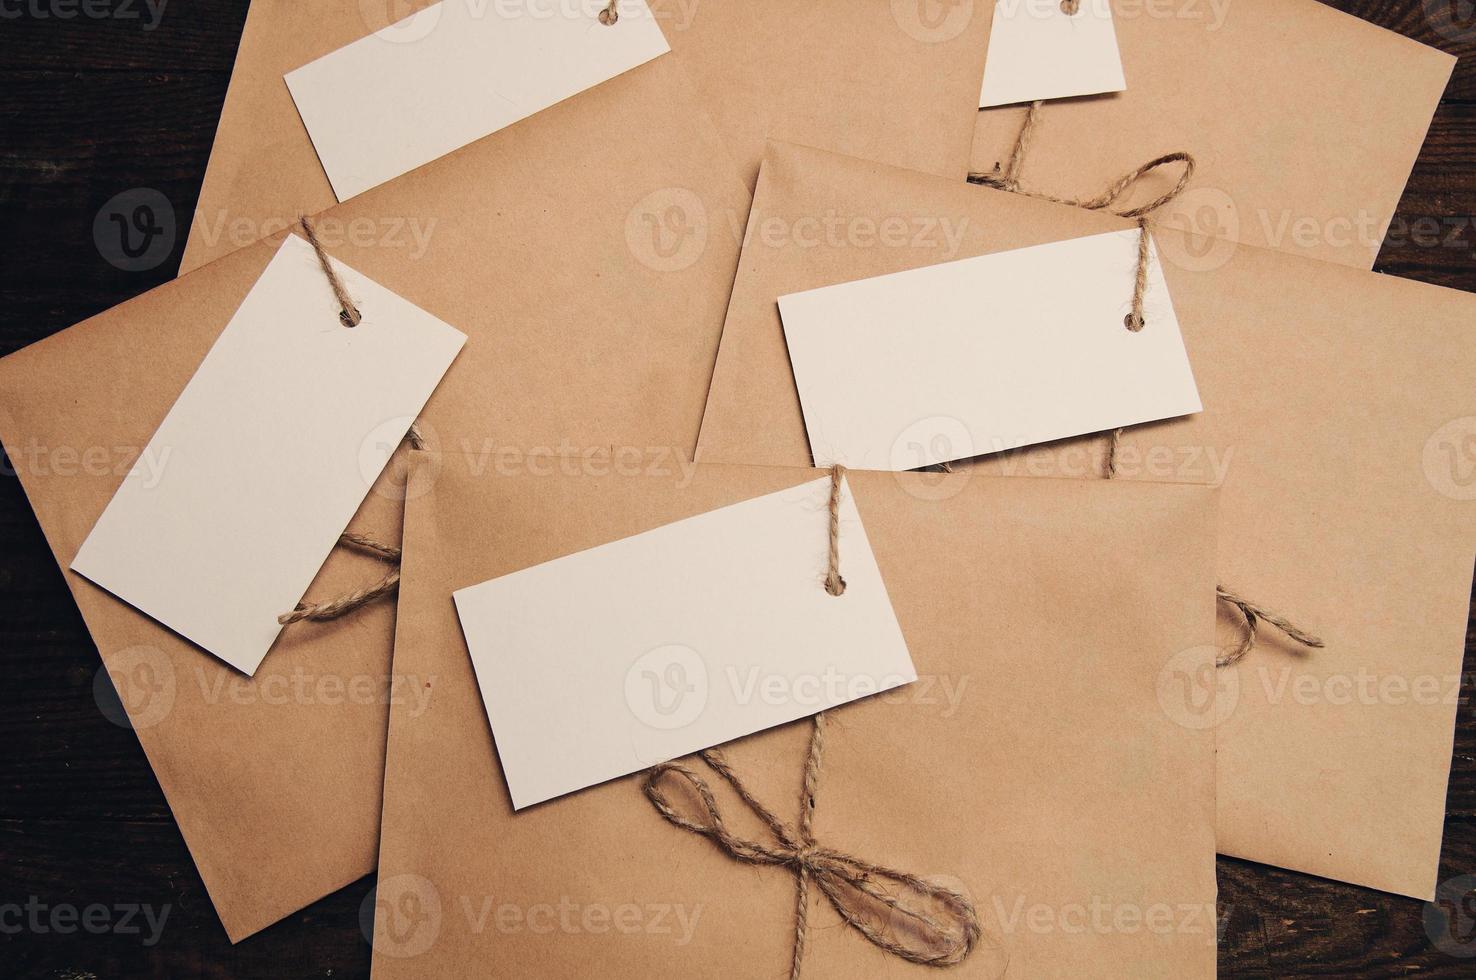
114 98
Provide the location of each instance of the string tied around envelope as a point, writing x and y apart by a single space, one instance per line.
931 924
389 584
1008 178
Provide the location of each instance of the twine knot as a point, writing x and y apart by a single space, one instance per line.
914 919
610 15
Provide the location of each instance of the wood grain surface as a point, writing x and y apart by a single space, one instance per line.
102 97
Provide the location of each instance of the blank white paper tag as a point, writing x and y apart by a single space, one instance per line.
612 660
1038 51
453 73
985 355
266 456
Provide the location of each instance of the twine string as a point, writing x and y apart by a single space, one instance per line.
348 313
869 897
1253 615
857 889
321 612
1007 178
610 14
389 584
834 583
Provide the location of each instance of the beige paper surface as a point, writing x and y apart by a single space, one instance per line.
1305 122
604 662
226 519
451 74
879 79
1343 451
1045 777
984 355
1040 50
581 334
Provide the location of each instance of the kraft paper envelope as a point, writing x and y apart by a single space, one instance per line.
872 78
1340 418
580 333
1034 766
1305 122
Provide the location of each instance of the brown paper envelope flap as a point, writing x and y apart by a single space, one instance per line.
871 78
1340 419
817 220
1033 764
583 333
272 779
1306 122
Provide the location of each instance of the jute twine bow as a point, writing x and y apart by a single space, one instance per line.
858 890
1008 178
322 612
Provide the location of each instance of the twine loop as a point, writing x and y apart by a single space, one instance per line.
610 14
320 612
868 897
1007 178
1253 615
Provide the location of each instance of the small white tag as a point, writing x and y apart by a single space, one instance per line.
609 661
985 354
270 449
1039 51
453 73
